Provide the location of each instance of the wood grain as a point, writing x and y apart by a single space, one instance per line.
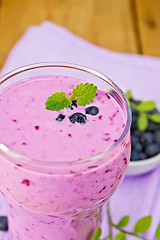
149 24
104 22
15 17
113 24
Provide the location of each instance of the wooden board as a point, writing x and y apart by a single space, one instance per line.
149 25
120 25
103 22
15 17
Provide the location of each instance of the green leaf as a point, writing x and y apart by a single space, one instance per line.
58 101
155 117
128 95
83 93
158 232
146 106
143 224
97 234
120 236
142 122
124 221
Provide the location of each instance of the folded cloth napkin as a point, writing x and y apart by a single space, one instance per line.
136 196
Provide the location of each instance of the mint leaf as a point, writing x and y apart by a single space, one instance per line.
146 106
83 93
143 224
128 95
155 117
120 236
124 221
58 101
158 232
142 122
97 234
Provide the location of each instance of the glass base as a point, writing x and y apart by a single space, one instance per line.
25 224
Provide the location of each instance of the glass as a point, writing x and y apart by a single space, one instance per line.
73 212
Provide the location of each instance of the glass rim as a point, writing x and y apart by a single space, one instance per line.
91 71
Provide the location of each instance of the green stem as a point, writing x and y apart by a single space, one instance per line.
127 232
106 237
110 222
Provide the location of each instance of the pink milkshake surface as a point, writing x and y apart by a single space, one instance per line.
46 202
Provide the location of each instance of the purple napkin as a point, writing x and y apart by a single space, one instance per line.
136 196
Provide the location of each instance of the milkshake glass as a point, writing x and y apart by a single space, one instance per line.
57 200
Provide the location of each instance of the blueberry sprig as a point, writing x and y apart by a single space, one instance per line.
83 94
146 110
141 226
145 144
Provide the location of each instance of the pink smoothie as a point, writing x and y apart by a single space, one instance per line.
47 199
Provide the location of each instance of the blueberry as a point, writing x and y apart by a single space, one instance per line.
157 136
134 139
74 105
134 112
78 117
134 155
92 110
152 149
60 117
3 223
155 110
142 156
153 126
137 133
147 138
134 123
135 115
138 147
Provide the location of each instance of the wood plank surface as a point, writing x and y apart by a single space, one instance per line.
120 25
15 17
149 25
